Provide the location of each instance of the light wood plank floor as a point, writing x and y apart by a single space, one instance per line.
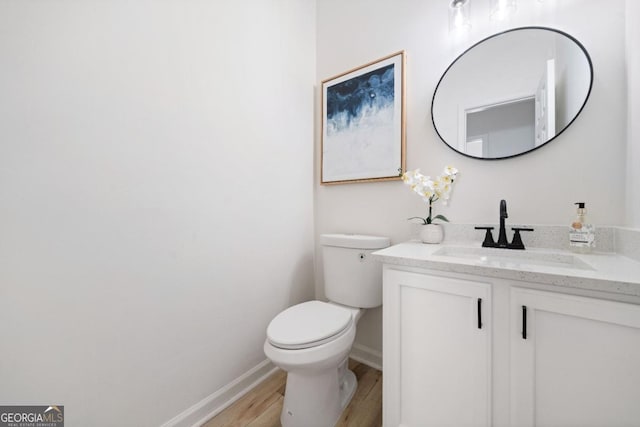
261 406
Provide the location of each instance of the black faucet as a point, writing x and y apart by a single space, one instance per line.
502 234
503 243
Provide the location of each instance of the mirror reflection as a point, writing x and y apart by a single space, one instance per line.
512 93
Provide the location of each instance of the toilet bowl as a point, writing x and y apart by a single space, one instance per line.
311 341
316 368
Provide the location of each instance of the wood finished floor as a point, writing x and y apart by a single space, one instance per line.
261 406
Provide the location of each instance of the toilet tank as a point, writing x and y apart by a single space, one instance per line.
351 276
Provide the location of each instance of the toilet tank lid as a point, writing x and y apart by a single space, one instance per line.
354 241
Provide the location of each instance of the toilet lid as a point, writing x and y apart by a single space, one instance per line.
307 325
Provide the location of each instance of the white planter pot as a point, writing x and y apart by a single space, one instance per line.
432 233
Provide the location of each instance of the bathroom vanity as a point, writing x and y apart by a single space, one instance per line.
488 337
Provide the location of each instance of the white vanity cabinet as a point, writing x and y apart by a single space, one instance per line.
437 350
577 365
575 361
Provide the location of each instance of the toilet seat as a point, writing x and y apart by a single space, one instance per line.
307 325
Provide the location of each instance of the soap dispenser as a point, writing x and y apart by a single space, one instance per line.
582 236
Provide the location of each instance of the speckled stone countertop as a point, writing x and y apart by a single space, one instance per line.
603 272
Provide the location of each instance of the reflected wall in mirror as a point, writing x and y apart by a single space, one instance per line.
512 92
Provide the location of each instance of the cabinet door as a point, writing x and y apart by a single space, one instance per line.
578 364
436 351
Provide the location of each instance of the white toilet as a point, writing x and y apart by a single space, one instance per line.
311 341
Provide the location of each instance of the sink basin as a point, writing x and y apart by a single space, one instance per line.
513 259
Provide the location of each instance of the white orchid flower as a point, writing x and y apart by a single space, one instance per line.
450 171
431 190
411 177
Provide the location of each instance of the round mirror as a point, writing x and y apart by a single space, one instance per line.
512 92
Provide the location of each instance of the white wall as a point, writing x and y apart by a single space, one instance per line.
156 197
633 104
586 163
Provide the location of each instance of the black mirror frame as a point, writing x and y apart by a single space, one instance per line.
569 36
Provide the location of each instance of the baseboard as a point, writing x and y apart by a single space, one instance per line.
215 403
368 356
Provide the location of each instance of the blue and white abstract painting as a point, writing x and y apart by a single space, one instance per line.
362 123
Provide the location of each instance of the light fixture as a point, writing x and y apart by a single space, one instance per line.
500 10
459 15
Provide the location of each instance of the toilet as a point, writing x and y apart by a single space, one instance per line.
311 341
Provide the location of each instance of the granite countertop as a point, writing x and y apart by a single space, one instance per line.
603 272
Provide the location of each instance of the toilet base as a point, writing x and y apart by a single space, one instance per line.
317 399
348 389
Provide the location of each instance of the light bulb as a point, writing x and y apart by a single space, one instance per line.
459 15
501 9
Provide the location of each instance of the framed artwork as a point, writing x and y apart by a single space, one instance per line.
363 123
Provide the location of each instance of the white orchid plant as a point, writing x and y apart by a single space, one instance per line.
432 190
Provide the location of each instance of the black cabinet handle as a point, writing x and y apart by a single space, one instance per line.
524 322
479 313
